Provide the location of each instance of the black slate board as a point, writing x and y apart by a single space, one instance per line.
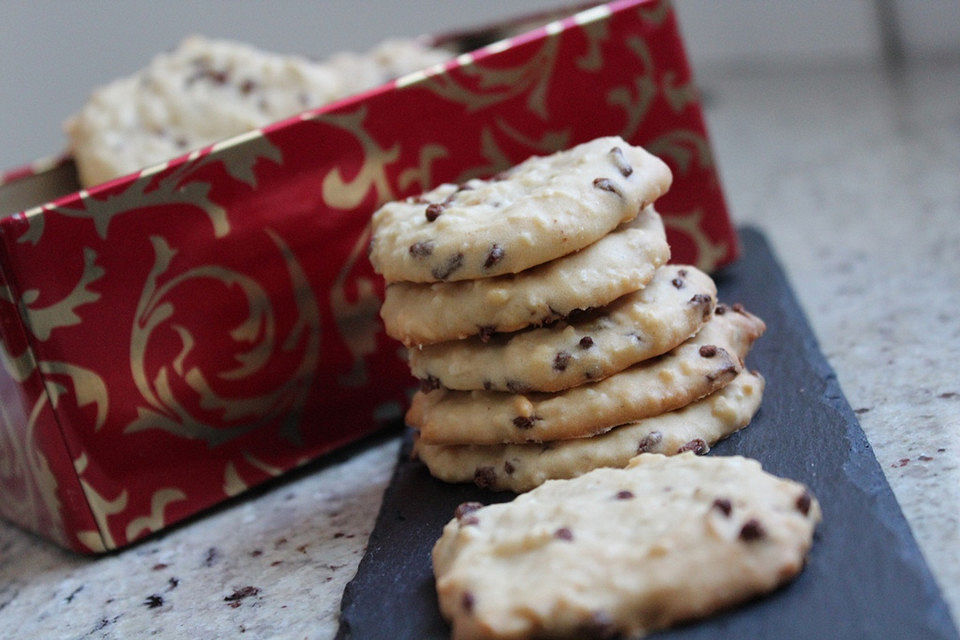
865 577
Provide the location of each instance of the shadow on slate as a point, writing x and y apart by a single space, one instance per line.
865 577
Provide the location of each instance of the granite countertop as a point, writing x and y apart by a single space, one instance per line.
854 176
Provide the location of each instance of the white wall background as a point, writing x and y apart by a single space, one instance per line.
53 51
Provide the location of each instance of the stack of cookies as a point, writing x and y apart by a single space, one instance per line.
549 335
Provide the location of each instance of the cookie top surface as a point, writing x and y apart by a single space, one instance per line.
696 368
623 551
588 346
541 209
208 90
521 467
621 262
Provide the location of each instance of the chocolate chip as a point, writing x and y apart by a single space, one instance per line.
494 256
624 495
429 383
586 342
616 156
682 273
466 508
708 350
241 593
434 210
467 601
247 87
723 505
525 422
513 386
605 184
470 521
739 308
752 530
712 377
803 502
697 445
181 142
649 441
153 601
561 361
487 385
453 263
484 477
421 249
563 533
721 309
701 298
485 332
508 468
677 282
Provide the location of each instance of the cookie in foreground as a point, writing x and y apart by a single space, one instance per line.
622 552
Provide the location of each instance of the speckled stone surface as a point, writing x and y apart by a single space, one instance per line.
854 176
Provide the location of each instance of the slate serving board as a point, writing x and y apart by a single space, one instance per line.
865 577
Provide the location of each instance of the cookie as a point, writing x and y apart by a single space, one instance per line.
698 367
521 467
209 90
622 552
541 209
588 346
621 262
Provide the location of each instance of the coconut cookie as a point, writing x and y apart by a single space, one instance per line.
622 552
620 263
209 90
698 367
635 327
521 467
540 210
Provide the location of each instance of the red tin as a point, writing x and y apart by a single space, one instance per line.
174 337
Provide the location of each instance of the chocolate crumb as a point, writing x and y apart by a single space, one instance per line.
752 530
924 458
484 477
561 361
430 383
616 156
723 505
453 263
485 332
211 558
508 468
803 502
467 601
697 445
677 282
721 309
494 256
159 566
174 583
604 184
421 249
649 441
241 593
563 533
682 273
466 508
247 87
624 495
941 450
586 342
708 350
487 385
153 601
524 422
434 210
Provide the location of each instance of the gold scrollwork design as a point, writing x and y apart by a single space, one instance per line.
348 194
43 321
356 322
708 253
683 146
635 100
284 403
498 85
596 31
